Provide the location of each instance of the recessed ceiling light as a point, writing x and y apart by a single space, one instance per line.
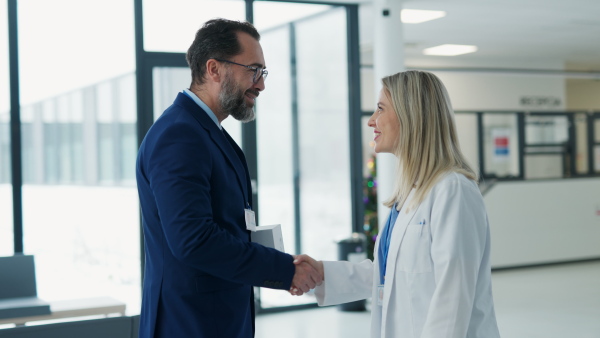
419 15
450 50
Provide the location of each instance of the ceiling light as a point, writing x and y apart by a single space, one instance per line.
419 15
450 50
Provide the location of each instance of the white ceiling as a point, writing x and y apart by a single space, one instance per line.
510 34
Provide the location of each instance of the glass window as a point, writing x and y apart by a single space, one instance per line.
546 130
275 138
169 81
268 14
164 33
322 68
68 126
303 145
84 236
6 205
115 128
276 150
547 148
126 120
50 140
32 146
106 97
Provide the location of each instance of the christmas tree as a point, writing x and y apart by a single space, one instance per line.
370 227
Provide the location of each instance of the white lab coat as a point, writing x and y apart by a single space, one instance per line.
438 278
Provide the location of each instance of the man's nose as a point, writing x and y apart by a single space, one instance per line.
260 85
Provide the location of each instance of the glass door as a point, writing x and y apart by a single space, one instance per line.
303 137
301 144
6 204
549 148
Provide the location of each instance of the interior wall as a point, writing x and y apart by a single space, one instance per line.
504 92
492 92
583 94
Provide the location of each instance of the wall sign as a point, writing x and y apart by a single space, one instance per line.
500 144
540 101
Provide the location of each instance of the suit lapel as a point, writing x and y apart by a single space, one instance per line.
220 138
227 148
242 173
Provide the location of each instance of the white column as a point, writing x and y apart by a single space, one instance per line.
388 59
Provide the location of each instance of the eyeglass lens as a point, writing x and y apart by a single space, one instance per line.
260 72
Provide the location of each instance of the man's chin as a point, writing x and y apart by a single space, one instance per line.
245 117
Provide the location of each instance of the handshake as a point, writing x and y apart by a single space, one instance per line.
309 274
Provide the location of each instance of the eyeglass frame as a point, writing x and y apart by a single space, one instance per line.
255 77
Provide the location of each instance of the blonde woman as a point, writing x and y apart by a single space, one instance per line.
431 276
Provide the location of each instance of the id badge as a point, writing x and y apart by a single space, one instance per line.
380 295
250 220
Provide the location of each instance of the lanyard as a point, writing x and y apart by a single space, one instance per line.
384 242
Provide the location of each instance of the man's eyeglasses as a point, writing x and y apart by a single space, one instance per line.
258 72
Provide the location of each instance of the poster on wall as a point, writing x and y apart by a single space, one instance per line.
500 144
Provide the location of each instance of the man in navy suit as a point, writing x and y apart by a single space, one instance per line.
195 193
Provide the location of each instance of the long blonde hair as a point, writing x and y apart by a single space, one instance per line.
427 146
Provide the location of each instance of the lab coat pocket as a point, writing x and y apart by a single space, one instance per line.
415 253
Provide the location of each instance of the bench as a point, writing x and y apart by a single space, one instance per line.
74 308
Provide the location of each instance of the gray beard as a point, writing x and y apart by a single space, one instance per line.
233 102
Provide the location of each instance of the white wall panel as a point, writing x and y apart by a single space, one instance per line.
538 222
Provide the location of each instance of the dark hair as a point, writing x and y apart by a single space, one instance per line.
216 39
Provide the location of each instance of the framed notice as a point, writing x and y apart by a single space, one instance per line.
500 144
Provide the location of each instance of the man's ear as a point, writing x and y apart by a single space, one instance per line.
214 71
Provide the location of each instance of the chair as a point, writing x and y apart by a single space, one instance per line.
19 303
18 291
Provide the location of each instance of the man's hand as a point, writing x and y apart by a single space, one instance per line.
309 273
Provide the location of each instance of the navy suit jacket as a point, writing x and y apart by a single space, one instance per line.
200 267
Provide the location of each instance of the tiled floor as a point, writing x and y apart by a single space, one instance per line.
559 301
